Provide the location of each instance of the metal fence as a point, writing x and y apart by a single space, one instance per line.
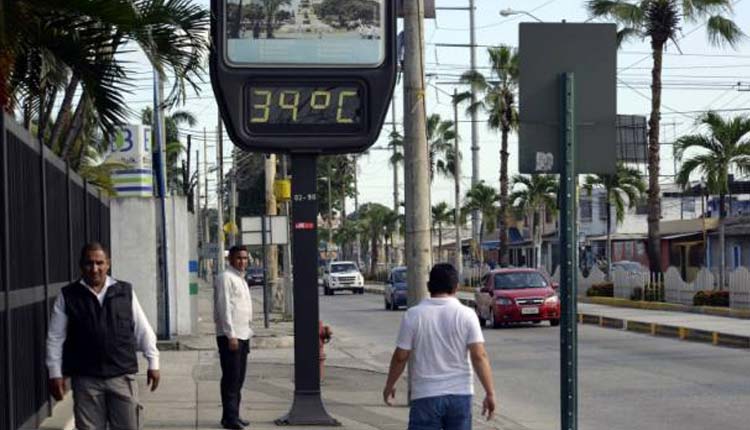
48 213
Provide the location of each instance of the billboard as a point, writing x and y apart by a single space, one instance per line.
131 145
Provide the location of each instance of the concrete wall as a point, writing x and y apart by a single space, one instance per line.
134 253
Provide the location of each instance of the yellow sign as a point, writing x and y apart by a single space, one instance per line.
230 228
282 190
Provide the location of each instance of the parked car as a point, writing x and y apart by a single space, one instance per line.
342 275
394 293
254 276
517 295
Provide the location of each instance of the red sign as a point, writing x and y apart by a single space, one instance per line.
304 226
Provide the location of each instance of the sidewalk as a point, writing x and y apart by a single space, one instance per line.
717 330
188 395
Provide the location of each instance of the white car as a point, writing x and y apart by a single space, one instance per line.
342 275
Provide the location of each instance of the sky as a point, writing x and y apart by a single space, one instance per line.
697 77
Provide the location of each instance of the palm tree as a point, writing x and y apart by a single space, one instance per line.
440 136
173 147
499 102
270 8
626 183
50 48
441 214
482 198
374 217
531 195
723 148
390 224
659 22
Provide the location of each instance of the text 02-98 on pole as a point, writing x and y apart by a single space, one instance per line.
306 79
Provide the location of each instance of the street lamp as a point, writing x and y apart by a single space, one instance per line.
510 12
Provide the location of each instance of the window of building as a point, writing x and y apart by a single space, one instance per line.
585 208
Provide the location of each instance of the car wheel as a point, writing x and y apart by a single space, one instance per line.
554 322
327 291
387 305
361 290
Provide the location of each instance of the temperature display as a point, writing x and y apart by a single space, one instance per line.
326 108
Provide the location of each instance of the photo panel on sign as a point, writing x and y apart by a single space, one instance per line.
305 32
546 51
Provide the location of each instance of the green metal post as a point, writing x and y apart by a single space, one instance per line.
569 253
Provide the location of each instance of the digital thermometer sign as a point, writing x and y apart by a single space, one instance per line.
312 77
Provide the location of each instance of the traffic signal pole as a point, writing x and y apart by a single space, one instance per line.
307 407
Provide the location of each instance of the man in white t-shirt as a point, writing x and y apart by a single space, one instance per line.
445 342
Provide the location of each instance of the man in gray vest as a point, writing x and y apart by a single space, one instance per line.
95 329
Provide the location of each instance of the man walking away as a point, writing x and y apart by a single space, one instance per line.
233 314
445 342
96 327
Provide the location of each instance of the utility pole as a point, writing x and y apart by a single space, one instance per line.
357 244
288 303
272 258
206 224
416 163
219 199
475 224
198 210
158 121
457 193
233 201
396 259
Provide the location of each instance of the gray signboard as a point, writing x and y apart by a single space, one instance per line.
590 52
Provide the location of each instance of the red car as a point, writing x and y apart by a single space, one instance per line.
517 295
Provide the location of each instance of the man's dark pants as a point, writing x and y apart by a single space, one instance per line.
233 366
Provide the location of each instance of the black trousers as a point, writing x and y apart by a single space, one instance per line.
233 367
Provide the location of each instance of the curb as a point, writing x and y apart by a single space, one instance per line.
654 329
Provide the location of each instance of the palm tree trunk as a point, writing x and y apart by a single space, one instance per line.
64 112
373 254
654 194
609 239
75 128
502 217
722 243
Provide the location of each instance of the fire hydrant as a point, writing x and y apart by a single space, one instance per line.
324 336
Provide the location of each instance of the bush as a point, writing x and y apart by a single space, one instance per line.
654 293
604 289
711 298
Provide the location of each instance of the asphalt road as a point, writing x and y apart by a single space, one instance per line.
627 381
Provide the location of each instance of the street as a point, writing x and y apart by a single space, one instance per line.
626 380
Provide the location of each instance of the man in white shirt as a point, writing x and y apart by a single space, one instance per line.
233 315
443 339
95 329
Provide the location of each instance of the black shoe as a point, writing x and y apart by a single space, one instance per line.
243 421
234 425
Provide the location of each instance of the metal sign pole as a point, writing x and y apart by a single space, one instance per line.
307 407
569 251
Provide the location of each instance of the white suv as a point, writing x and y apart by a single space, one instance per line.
343 275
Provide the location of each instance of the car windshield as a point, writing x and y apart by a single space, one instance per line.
399 276
338 268
518 280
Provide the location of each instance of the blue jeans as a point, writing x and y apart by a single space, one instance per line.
449 412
